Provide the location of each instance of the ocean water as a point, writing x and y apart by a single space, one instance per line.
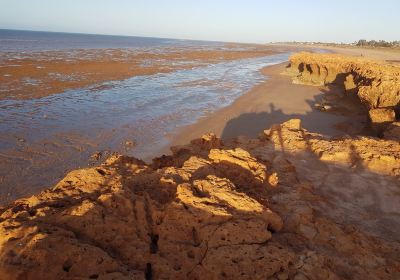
152 106
145 108
42 139
19 40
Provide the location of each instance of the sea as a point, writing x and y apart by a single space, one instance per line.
142 110
21 40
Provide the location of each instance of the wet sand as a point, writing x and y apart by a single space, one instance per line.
42 138
40 74
297 204
275 101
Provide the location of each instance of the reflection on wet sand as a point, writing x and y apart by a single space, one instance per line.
41 139
26 75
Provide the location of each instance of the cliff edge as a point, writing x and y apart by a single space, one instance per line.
376 84
242 209
290 204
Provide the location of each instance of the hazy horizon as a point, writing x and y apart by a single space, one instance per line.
253 21
189 39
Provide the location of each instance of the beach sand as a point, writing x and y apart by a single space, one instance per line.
32 159
274 101
288 205
385 55
277 100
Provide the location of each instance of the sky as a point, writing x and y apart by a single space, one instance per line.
253 21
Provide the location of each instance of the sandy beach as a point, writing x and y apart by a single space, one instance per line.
275 101
278 99
312 195
49 129
191 140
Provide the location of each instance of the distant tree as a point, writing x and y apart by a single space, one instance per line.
362 42
380 43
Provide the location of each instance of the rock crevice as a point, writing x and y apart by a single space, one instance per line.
242 209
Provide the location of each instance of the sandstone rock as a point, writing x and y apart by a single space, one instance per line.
208 141
288 136
208 211
273 179
382 115
377 85
381 118
124 215
240 158
377 155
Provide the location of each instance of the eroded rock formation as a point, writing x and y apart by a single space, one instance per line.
376 84
243 209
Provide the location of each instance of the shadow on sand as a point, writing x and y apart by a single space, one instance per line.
105 223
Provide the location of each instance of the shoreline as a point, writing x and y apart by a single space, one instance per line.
41 74
248 115
266 104
33 161
251 107
291 201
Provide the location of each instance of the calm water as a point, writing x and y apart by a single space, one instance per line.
152 106
16 40
42 139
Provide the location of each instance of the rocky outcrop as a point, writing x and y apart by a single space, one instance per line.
236 210
381 156
377 85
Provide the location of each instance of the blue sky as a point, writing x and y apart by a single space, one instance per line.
222 20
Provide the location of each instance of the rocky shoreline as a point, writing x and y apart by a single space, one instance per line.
234 210
289 204
377 85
